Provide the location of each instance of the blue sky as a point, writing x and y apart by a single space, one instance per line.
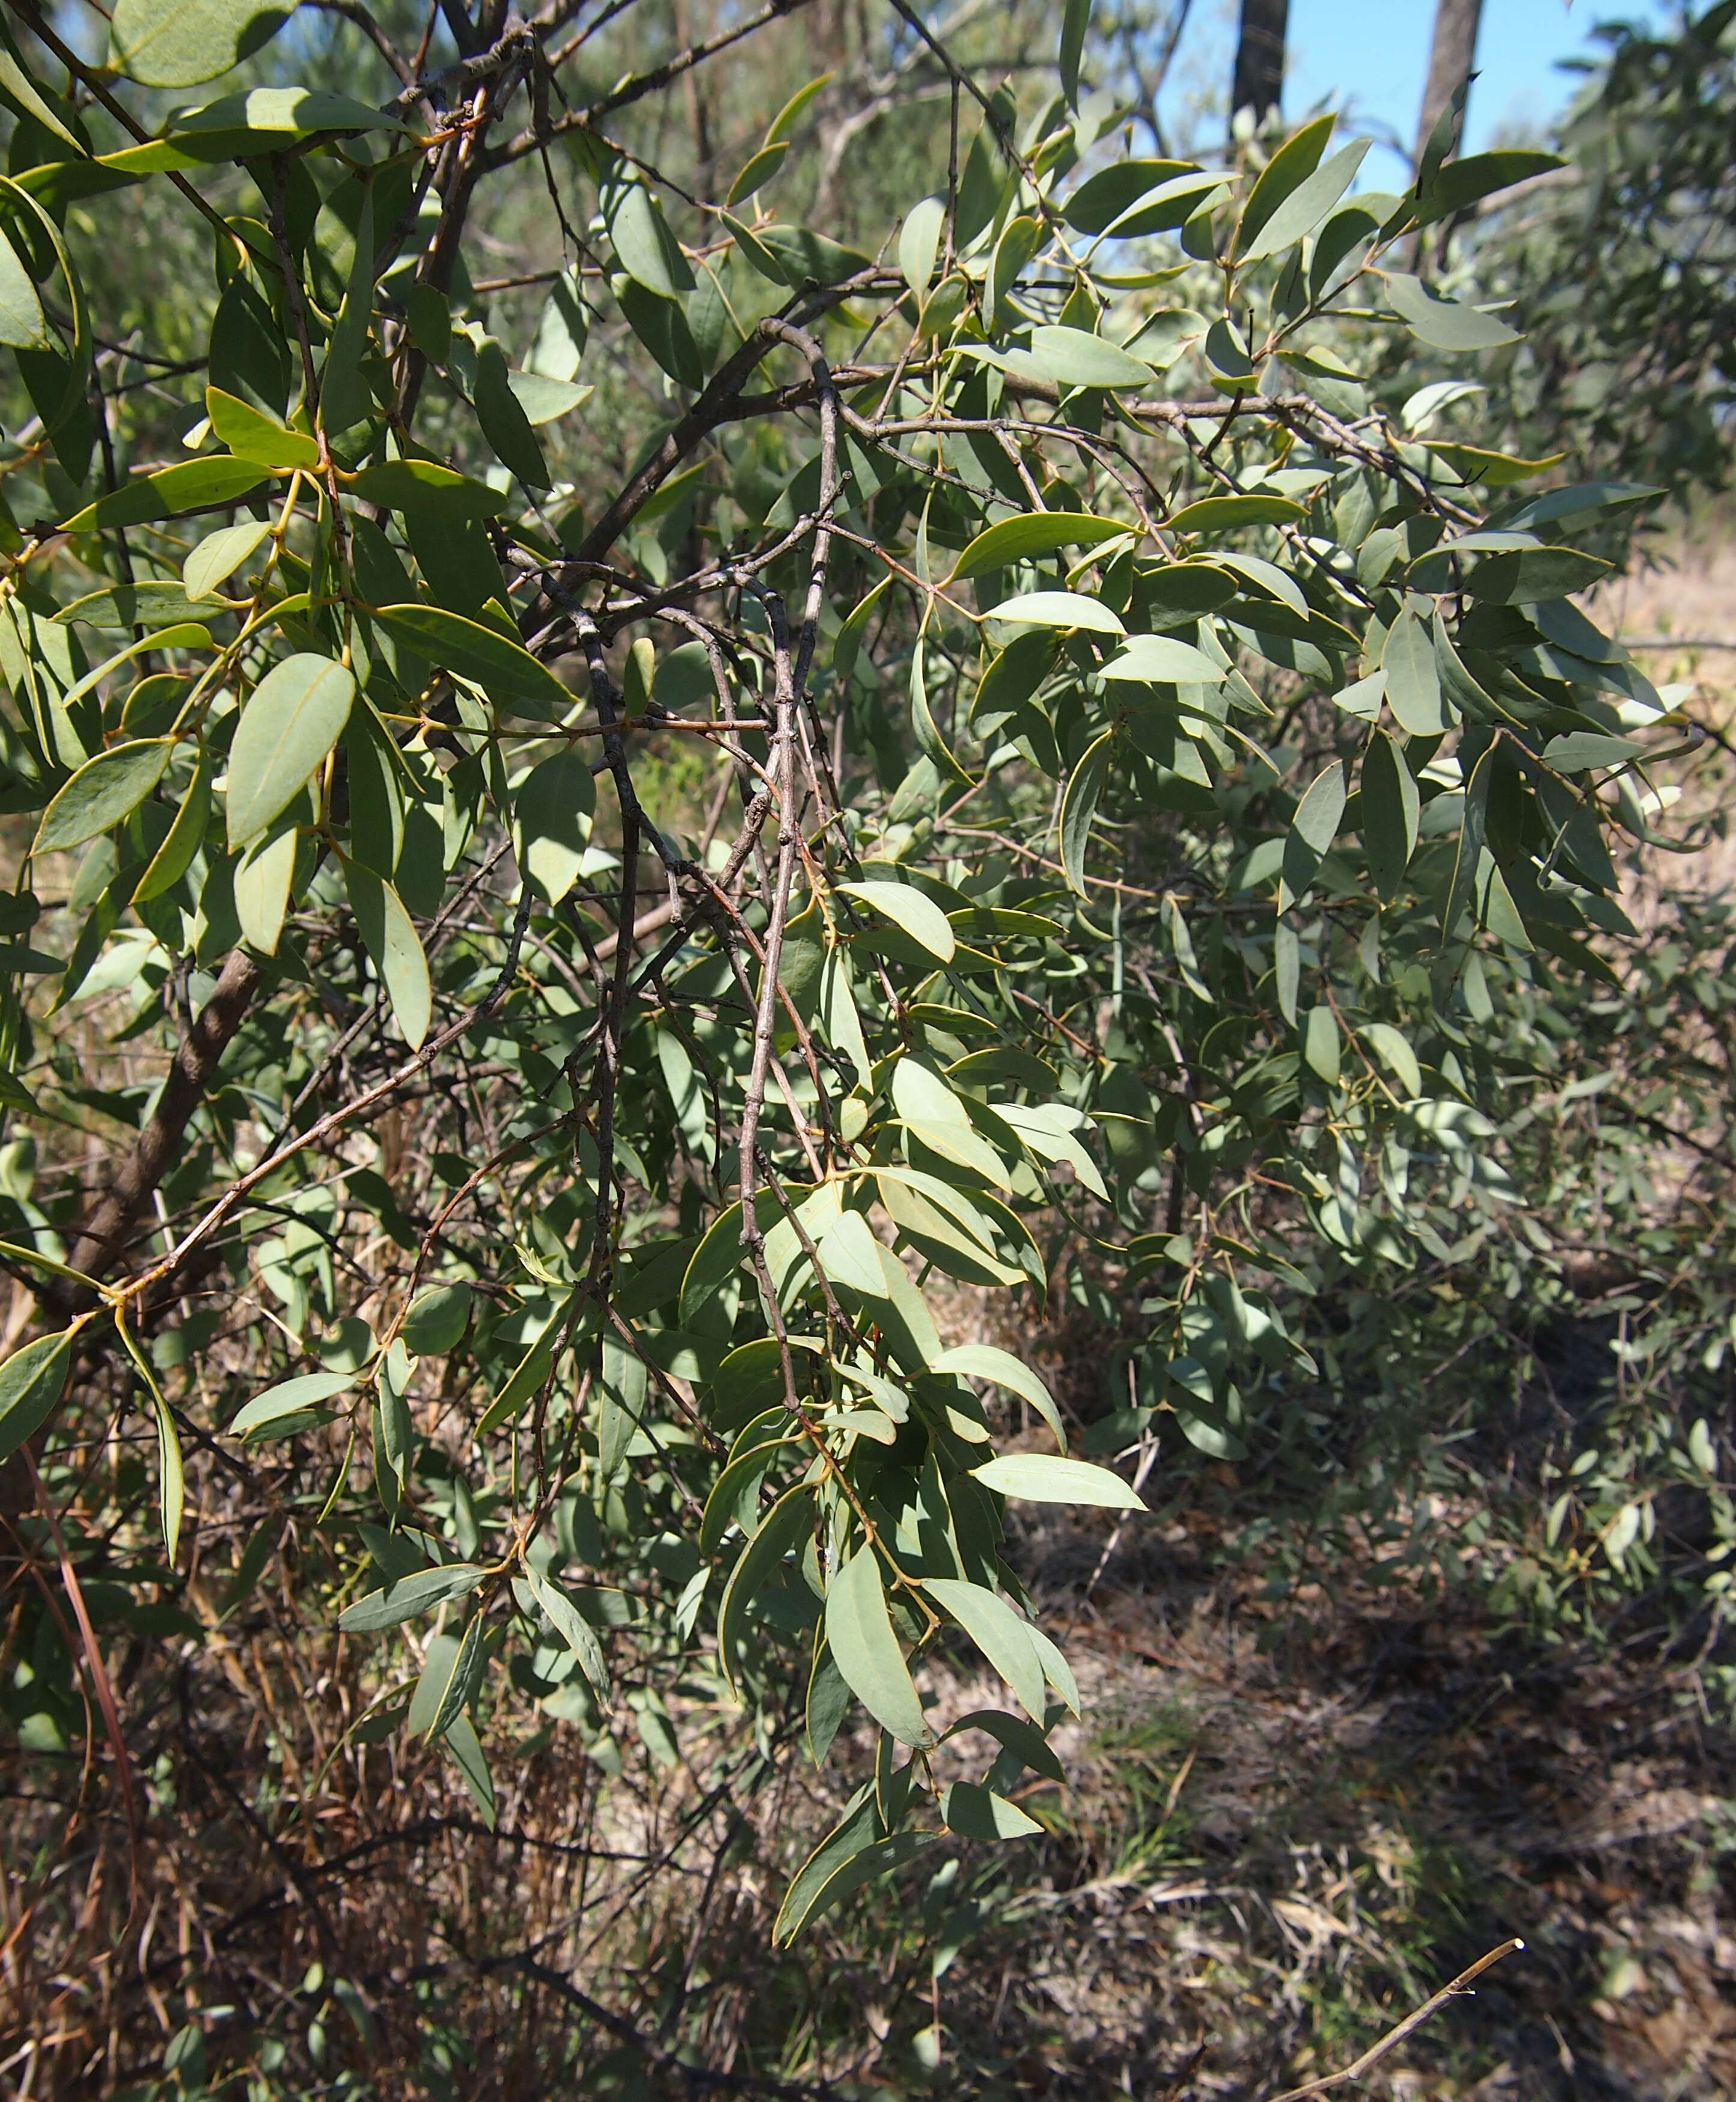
1369 56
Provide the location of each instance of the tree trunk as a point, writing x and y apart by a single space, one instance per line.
1450 60
1260 58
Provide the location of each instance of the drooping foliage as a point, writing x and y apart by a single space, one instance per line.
616 866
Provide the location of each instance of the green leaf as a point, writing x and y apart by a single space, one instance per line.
1317 814
170 1474
1078 807
1282 175
344 398
551 822
545 399
986 1361
859 1629
1573 753
288 1400
427 489
258 120
1413 679
759 171
1321 1044
572 1627
23 324
1525 576
103 792
197 485
133 606
1230 514
421 1592
1037 1477
929 1108
1391 810
1459 184
455 1686
1013 1734
504 422
31 1383
1395 1053
1444 323
976 1812
933 746
527 1378
178 43
720 1253
919 243
781 1528
1075 20
1306 205
855 1853
462 1746
220 555
806 258
496 662
252 435
436 1321
390 937
907 907
999 1634
646 249
1057 608
1489 470
1163 660
1461 892
291 720
1037 532
783 125
1130 197
1071 358
262 882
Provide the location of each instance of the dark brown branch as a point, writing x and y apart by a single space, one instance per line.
103 1236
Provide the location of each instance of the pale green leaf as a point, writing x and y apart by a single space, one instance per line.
390 937
291 720
907 907
1038 1478
31 1383
859 1629
103 792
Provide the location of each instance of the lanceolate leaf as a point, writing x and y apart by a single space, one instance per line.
500 662
177 43
906 907
31 1383
986 1361
1391 806
290 722
1036 1478
396 947
999 1634
1038 532
409 1597
1079 808
860 1631
102 792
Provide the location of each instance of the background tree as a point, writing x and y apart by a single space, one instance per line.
1257 82
1452 53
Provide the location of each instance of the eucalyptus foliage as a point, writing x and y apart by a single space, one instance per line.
1027 774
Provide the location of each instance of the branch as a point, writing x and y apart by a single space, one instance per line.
103 1235
1394 2037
